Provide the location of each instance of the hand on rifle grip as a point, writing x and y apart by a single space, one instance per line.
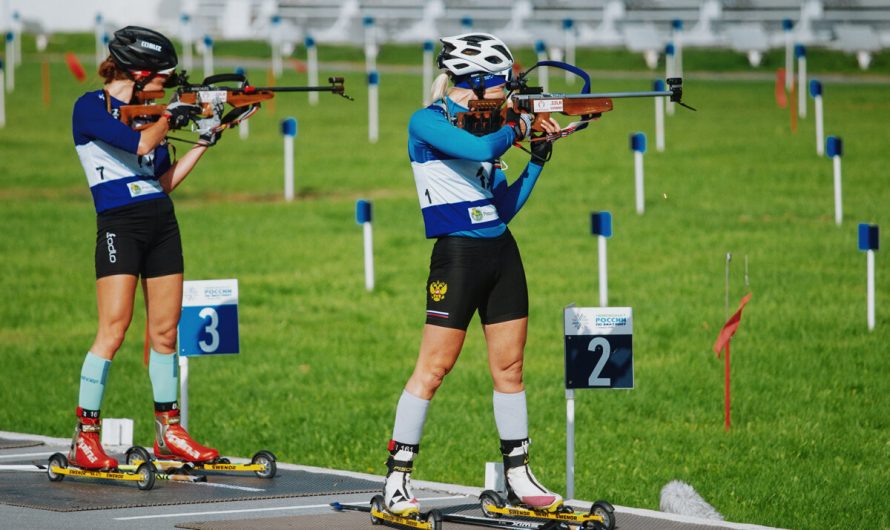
179 114
521 123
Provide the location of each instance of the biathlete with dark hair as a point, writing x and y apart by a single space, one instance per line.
475 265
130 174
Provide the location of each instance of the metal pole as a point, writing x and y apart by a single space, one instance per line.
820 130
570 443
184 391
638 179
369 255
870 257
604 276
838 206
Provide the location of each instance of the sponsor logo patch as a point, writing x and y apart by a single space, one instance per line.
143 187
547 105
438 290
482 214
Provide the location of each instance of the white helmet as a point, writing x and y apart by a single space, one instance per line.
475 53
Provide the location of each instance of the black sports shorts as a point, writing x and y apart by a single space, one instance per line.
467 274
141 239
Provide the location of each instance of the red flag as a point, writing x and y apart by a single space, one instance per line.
730 327
75 67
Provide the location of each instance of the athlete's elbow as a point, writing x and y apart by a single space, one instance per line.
144 149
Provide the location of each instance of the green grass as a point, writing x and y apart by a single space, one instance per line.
323 361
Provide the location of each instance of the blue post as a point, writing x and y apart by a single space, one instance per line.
815 88
868 237
363 217
427 45
638 142
466 22
868 243
362 211
677 24
638 146
601 226
540 47
309 41
834 146
800 51
658 85
208 41
289 127
568 24
368 21
289 132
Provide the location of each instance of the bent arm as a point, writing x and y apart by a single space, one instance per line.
510 199
152 136
433 128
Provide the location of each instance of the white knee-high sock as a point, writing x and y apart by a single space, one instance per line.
511 415
410 417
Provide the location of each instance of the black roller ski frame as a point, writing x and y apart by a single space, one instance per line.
143 474
380 516
263 464
600 517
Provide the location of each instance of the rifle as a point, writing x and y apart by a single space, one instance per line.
244 98
488 115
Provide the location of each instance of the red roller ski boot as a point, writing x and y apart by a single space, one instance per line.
86 447
172 442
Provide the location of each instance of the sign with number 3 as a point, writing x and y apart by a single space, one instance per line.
599 347
209 321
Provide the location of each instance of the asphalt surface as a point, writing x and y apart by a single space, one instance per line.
298 498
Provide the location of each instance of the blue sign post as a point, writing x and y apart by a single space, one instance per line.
868 243
208 325
598 354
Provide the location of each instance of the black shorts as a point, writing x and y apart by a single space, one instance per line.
141 239
467 274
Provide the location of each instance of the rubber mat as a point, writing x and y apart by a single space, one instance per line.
6 443
34 490
361 521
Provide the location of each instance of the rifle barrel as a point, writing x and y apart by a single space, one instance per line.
325 88
613 95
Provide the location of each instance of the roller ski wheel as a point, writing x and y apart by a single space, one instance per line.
147 471
377 505
57 460
223 460
605 511
434 518
136 455
267 459
491 499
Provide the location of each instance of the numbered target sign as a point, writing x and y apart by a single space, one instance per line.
209 321
599 347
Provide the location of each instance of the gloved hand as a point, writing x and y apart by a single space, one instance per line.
179 114
541 151
210 129
521 123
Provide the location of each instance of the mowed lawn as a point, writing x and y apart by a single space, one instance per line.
323 361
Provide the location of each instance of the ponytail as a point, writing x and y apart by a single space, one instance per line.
109 71
439 86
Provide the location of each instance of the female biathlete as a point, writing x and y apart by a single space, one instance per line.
475 264
130 175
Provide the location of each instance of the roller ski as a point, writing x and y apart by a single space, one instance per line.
381 516
87 458
177 454
528 499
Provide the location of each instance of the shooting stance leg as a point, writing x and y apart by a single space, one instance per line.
114 296
439 350
163 305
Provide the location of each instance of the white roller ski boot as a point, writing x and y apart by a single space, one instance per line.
397 493
523 488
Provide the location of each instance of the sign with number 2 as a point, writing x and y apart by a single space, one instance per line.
599 347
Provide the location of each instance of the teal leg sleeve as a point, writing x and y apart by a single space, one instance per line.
164 372
93 375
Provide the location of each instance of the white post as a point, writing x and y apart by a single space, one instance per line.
373 111
312 67
427 71
369 255
670 71
659 117
838 206
570 443
244 126
787 25
801 53
2 97
816 92
10 62
543 74
604 274
98 32
275 44
568 26
186 37
184 391
17 32
370 44
870 258
289 131
677 38
208 56
638 145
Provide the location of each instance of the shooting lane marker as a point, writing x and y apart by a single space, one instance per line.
427 71
370 44
677 38
834 149
75 67
781 96
244 126
466 23
658 86
363 217
816 92
289 131
722 344
669 69
98 32
868 243
601 227
17 31
208 56
568 29
638 146
787 26
312 67
2 97
185 35
373 107
800 51
10 62
275 44
726 284
543 74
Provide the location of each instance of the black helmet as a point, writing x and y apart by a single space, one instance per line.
136 48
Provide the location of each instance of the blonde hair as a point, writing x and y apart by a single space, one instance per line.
439 87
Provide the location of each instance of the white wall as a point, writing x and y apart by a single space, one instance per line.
80 15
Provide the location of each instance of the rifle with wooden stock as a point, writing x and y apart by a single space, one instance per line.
488 115
230 88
